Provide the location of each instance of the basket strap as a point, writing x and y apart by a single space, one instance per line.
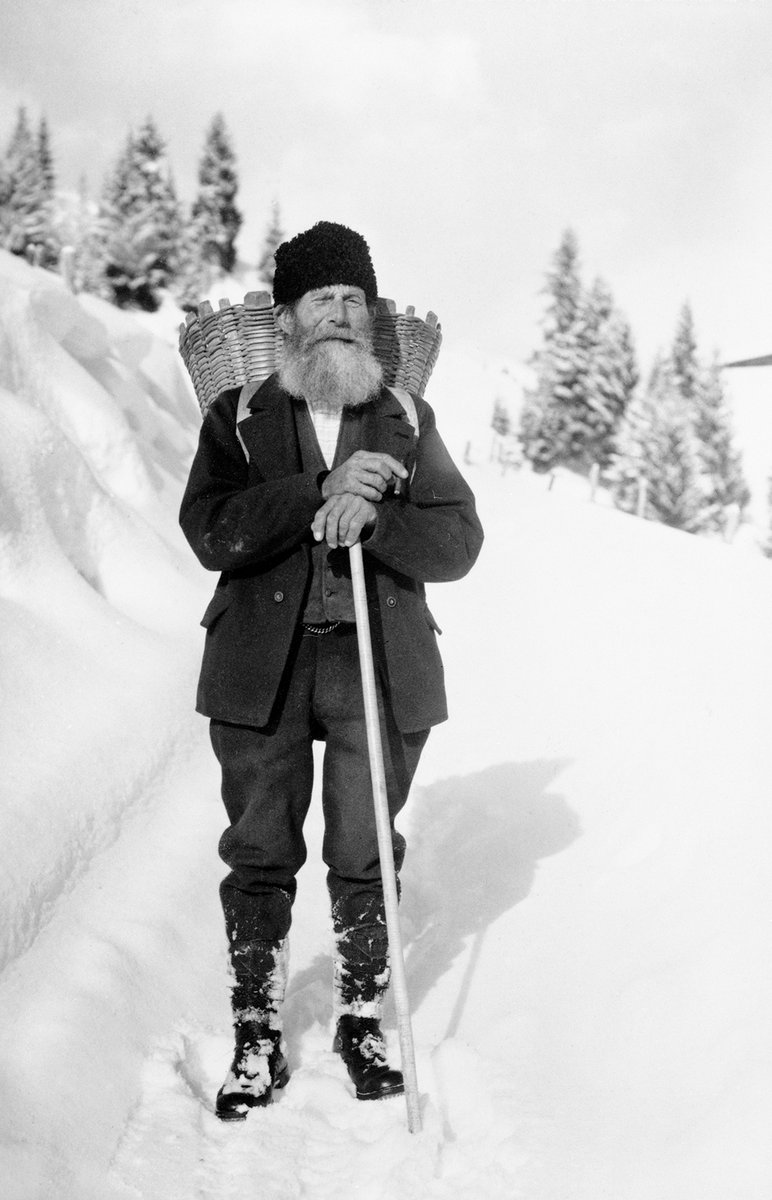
408 403
242 412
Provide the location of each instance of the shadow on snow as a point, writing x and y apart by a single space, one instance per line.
474 843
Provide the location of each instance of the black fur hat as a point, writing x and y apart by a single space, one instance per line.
322 256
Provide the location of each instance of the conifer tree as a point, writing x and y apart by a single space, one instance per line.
723 485
548 431
274 237
140 224
26 216
45 158
564 287
721 478
500 421
610 372
194 275
77 222
683 356
216 219
656 449
6 190
585 372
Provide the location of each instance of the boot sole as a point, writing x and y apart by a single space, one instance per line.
396 1089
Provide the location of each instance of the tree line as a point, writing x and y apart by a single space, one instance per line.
664 445
137 239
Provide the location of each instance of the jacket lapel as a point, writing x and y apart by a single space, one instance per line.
385 427
269 432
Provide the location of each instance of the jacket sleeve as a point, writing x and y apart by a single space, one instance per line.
228 522
434 534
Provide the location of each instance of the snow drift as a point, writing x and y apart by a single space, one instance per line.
586 898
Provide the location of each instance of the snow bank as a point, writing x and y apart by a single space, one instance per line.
93 579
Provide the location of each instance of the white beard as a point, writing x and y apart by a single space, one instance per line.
331 374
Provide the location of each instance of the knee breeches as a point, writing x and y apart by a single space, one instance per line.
267 780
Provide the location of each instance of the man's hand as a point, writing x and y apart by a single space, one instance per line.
342 518
366 474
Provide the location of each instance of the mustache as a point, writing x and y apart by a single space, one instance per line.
306 341
343 335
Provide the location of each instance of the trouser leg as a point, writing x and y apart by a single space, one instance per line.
267 778
350 847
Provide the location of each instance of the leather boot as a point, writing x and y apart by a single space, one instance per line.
361 977
259 1062
259 1066
360 1043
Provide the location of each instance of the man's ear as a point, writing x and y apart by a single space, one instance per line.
283 316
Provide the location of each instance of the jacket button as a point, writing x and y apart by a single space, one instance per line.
278 597
391 601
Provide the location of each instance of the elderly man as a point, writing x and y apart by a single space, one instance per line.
323 457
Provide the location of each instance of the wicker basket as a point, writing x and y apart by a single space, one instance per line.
239 343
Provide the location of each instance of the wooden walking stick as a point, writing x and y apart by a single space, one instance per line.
385 849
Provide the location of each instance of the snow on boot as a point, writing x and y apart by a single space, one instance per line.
259 1063
259 1066
360 1043
361 977
361 971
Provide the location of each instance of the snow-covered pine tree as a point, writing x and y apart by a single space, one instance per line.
725 492
77 228
26 214
194 275
215 217
501 421
683 356
656 448
564 287
549 430
585 372
611 371
6 190
274 237
46 159
140 224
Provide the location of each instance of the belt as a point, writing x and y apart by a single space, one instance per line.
324 627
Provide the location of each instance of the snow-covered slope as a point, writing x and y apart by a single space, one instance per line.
586 899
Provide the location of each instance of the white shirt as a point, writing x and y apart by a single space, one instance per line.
327 426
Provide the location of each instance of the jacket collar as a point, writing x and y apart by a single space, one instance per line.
270 434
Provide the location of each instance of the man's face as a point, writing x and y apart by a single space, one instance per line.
327 356
337 313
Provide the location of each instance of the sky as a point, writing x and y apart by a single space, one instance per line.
462 138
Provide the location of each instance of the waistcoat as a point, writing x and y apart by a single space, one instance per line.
330 596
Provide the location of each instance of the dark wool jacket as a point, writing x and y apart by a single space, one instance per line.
251 518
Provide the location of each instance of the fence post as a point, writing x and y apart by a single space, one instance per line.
67 264
594 478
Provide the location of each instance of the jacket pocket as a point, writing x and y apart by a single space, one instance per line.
215 608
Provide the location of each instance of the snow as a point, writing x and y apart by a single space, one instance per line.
586 905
